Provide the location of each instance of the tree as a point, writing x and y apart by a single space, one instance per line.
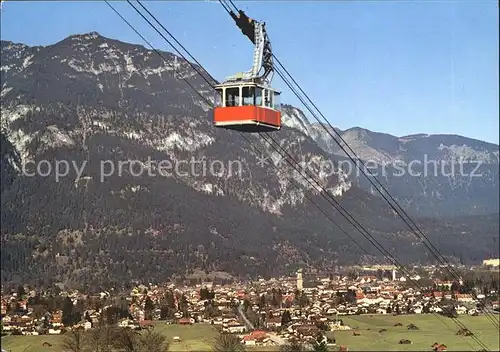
87 317
211 311
152 341
101 338
165 313
426 309
203 294
286 317
183 305
67 312
20 292
246 304
128 340
450 312
322 325
254 318
227 343
74 340
350 296
293 346
148 309
262 301
276 298
80 307
114 314
319 344
353 275
169 299
303 300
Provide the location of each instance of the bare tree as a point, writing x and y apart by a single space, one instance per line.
227 343
127 340
152 341
102 338
293 346
74 340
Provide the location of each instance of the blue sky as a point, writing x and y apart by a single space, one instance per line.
397 67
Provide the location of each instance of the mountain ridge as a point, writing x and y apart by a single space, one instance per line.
90 99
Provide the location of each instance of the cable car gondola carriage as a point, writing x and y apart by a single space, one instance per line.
248 106
247 102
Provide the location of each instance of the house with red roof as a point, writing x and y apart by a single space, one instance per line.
256 337
439 347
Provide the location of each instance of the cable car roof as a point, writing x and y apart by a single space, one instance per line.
239 83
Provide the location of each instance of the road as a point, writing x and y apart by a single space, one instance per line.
248 323
277 339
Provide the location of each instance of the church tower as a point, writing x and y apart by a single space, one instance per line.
300 282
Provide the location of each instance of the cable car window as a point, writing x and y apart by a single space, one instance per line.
268 98
277 101
258 97
248 95
218 97
232 96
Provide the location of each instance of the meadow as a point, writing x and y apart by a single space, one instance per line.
197 337
430 329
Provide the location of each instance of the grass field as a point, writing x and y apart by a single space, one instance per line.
431 329
193 338
198 337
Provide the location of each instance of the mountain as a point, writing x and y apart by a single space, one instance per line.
432 175
113 171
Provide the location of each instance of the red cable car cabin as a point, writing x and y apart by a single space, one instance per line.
248 107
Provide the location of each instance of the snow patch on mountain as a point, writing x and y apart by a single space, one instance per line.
5 91
57 138
185 142
18 138
27 61
462 153
294 118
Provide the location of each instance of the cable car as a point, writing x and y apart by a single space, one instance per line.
246 102
248 107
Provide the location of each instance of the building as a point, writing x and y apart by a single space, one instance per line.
491 262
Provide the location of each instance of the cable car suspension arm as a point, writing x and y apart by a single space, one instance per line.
262 69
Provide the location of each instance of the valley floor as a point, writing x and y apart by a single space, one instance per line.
431 329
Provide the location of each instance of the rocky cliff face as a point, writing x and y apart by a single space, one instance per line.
432 175
111 167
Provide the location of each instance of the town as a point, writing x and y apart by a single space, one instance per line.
307 308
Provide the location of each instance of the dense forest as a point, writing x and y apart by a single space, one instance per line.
88 108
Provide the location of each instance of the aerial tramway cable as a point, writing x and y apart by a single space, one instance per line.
355 159
176 49
458 323
351 157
